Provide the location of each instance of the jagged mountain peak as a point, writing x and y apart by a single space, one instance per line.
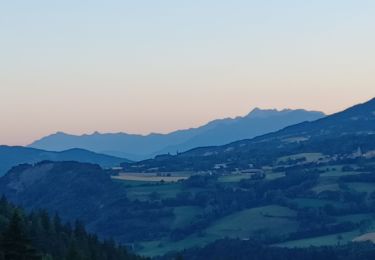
217 132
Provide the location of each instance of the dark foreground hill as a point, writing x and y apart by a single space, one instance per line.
85 192
217 132
339 134
13 155
38 236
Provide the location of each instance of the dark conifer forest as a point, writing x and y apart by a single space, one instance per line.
40 236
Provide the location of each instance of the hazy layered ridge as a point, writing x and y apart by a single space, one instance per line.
277 186
13 155
342 132
217 132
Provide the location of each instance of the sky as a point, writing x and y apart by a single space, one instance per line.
156 66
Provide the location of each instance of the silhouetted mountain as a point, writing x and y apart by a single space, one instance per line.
136 213
75 189
85 192
13 155
339 133
217 132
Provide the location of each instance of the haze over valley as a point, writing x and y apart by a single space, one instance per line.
187 130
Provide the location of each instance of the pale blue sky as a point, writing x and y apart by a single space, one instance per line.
155 66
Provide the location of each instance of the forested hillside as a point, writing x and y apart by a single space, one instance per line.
306 185
40 236
14 155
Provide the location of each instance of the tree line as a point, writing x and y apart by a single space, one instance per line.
39 236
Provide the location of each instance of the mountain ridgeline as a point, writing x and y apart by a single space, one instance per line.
14 155
217 132
340 133
309 184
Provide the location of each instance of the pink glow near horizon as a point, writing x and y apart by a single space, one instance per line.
127 67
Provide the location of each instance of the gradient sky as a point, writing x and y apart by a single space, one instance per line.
159 65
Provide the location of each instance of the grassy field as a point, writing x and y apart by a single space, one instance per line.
184 215
252 221
249 222
272 220
238 225
326 187
337 173
335 239
362 187
233 178
365 237
142 192
356 218
274 175
129 183
160 247
310 157
148 177
312 203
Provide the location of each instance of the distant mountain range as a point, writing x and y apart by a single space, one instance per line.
14 155
340 133
115 209
217 132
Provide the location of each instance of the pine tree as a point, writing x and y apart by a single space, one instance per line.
39 236
15 244
74 254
